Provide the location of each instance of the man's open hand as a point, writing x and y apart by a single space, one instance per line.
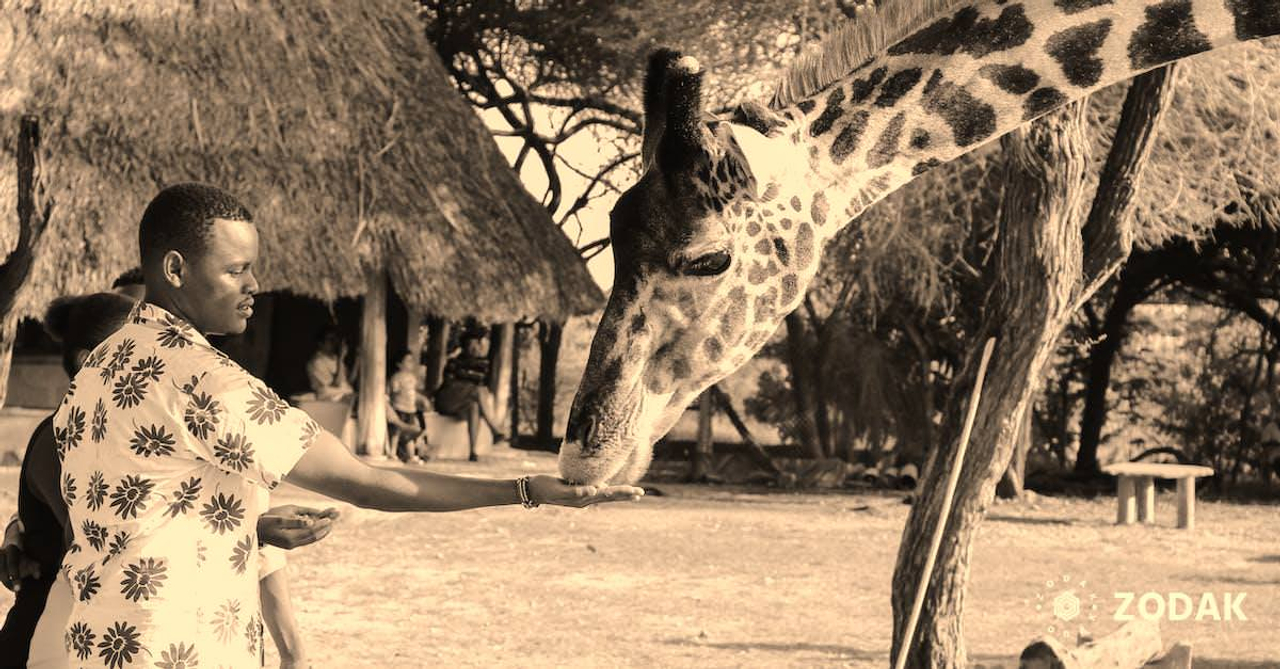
290 526
551 490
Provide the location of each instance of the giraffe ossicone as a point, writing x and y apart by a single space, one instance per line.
722 234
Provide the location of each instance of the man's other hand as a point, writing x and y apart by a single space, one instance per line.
291 526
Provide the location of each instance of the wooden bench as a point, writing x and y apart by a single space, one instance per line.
1136 490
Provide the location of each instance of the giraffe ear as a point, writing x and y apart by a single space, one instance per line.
767 159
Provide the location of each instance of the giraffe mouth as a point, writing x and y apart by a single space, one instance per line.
613 446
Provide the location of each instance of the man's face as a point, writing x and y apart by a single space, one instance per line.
475 348
218 286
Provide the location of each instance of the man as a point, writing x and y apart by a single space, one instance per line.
165 443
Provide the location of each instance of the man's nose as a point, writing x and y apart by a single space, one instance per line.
251 286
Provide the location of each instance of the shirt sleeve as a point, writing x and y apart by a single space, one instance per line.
271 559
241 426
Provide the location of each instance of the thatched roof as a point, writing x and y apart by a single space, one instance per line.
334 121
1215 158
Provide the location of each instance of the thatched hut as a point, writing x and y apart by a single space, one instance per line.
334 121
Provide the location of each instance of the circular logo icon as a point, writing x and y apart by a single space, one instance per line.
1066 607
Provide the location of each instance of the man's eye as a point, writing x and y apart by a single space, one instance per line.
710 264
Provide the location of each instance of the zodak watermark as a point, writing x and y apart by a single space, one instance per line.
1175 606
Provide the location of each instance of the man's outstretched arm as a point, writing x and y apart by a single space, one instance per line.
331 470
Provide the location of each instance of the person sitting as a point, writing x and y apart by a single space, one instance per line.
405 420
464 395
327 370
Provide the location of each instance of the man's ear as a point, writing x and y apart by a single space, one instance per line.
173 268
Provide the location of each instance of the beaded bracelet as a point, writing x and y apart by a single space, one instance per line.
522 487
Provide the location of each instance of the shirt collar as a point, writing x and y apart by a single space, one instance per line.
158 318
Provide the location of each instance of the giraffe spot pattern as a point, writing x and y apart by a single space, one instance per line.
897 86
1076 50
922 167
637 323
790 286
763 247
818 210
770 192
806 106
830 114
1169 33
804 246
862 88
967 31
735 313
920 139
1041 102
795 203
780 248
970 119
1075 6
753 229
680 368
1014 79
887 146
786 223
758 274
1255 18
713 348
847 141
764 307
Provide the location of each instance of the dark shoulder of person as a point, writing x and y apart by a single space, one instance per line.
40 505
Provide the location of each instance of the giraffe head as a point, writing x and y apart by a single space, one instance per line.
711 250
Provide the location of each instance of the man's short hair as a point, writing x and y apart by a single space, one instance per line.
179 219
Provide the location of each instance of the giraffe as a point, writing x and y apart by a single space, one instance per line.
720 237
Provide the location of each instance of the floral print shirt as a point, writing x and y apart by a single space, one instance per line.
165 444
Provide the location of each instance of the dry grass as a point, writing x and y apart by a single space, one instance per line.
715 577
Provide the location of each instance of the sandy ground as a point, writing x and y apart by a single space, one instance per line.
713 577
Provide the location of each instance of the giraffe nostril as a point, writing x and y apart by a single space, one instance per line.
588 430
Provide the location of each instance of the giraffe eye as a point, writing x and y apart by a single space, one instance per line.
710 264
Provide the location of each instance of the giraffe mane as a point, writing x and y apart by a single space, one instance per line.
877 25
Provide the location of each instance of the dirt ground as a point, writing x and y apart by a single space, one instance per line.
714 577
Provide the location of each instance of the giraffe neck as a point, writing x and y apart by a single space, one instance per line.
981 72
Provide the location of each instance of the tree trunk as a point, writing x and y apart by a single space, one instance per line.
1093 417
1015 475
1035 282
1038 282
32 220
797 364
437 352
703 448
549 336
371 404
501 338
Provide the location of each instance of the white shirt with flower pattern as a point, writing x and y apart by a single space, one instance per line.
165 445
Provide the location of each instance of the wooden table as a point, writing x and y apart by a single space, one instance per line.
1136 490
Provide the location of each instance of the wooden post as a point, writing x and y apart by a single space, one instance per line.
705 446
371 428
1146 500
437 352
500 346
517 346
1126 509
16 267
1187 502
549 336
